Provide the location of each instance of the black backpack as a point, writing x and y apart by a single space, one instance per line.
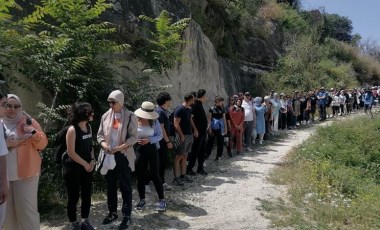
60 145
329 101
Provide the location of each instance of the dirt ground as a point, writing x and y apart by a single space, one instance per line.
228 198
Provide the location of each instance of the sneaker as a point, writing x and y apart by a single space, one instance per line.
190 172
141 204
177 182
204 164
125 222
217 158
75 226
249 149
186 179
161 206
230 154
110 218
203 173
167 187
86 225
147 189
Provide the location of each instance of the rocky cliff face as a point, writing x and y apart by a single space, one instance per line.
201 66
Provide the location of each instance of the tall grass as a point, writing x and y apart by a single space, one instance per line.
333 179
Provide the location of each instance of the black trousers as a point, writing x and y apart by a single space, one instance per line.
282 121
322 112
121 173
162 158
219 143
198 151
77 181
147 155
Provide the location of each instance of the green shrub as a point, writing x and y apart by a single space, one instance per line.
333 178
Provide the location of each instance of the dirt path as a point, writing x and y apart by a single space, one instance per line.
228 198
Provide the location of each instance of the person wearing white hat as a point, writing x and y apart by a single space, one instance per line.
78 165
149 135
117 134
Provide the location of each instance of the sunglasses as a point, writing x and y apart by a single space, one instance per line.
10 106
112 102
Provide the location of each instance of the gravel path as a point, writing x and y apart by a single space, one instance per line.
228 198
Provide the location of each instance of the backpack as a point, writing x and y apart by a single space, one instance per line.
60 145
329 101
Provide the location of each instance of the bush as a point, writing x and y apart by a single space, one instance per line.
334 177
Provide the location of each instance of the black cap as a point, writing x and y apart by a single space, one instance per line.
248 94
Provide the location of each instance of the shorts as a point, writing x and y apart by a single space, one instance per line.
185 147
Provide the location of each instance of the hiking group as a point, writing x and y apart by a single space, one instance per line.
140 142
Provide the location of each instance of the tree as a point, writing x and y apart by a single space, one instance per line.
337 27
162 50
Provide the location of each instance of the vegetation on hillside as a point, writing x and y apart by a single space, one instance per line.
317 49
67 51
334 179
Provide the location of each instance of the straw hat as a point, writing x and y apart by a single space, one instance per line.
146 111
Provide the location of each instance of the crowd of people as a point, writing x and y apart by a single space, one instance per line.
141 141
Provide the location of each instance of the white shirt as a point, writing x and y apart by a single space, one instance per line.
248 108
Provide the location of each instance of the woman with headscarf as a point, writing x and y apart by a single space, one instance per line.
25 139
117 134
3 162
149 134
260 119
275 111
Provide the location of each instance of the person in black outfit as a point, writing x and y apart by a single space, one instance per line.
198 150
217 128
313 102
78 164
163 102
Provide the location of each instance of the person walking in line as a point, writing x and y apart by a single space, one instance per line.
25 139
117 134
217 128
237 125
322 102
198 150
3 162
260 109
275 111
149 134
368 101
78 164
249 120
184 127
163 102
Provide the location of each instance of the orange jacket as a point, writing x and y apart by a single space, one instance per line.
28 157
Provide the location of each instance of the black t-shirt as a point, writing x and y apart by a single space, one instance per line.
185 115
83 142
313 100
227 111
199 116
163 118
216 112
